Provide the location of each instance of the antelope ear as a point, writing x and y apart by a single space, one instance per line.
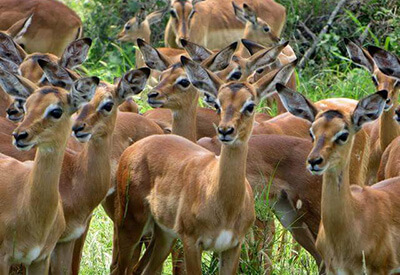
156 16
140 16
55 74
239 13
82 91
250 14
387 62
11 50
19 28
132 83
267 84
297 104
16 85
152 57
220 60
202 79
8 65
369 109
196 52
75 53
265 57
252 46
359 56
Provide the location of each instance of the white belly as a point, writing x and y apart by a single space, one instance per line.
224 241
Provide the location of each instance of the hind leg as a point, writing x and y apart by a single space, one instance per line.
39 268
162 246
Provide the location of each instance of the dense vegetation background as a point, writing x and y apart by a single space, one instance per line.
328 73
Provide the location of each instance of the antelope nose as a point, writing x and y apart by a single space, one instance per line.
225 130
315 161
19 136
152 94
79 127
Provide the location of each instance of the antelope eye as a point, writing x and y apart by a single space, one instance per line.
260 71
191 14
342 138
127 27
56 113
108 106
236 75
250 108
184 83
266 29
216 106
173 13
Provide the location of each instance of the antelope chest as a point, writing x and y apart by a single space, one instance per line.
224 240
26 256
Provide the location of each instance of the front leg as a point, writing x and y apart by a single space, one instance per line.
39 268
61 258
229 260
192 256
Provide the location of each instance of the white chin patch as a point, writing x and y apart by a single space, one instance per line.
82 138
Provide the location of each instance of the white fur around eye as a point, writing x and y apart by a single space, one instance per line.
103 103
312 133
237 69
48 109
335 137
248 102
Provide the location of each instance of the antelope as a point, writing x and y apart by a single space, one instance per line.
389 64
384 130
352 237
29 23
226 211
213 23
32 216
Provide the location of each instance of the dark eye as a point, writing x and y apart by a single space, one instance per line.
127 27
249 108
184 83
375 80
397 84
266 29
108 106
191 14
312 136
342 138
56 113
236 76
216 106
173 13
260 71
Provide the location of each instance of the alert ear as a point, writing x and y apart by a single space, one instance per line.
359 56
220 60
267 84
250 14
57 76
265 57
82 91
132 83
196 52
75 53
369 109
152 57
16 85
11 50
8 65
252 46
156 16
387 62
296 104
20 27
204 80
140 16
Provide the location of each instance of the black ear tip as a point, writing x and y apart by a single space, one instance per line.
42 63
383 93
295 62
245 6
96 80
234 45
140 42
184 42
88 41
184 60
285 43
346 40
280 87
373 49
146 71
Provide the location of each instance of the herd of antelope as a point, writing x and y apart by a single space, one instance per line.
180 171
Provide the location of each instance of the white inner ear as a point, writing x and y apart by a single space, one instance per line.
50 108
25 28
339 134
104 102
248 102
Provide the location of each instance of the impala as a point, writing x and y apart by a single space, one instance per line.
29 23
384 130
31 213
213 23
352 238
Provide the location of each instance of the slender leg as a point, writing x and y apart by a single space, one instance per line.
4 267
162 246
178 262
229 261
39 268
78 250
192 256
61 258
